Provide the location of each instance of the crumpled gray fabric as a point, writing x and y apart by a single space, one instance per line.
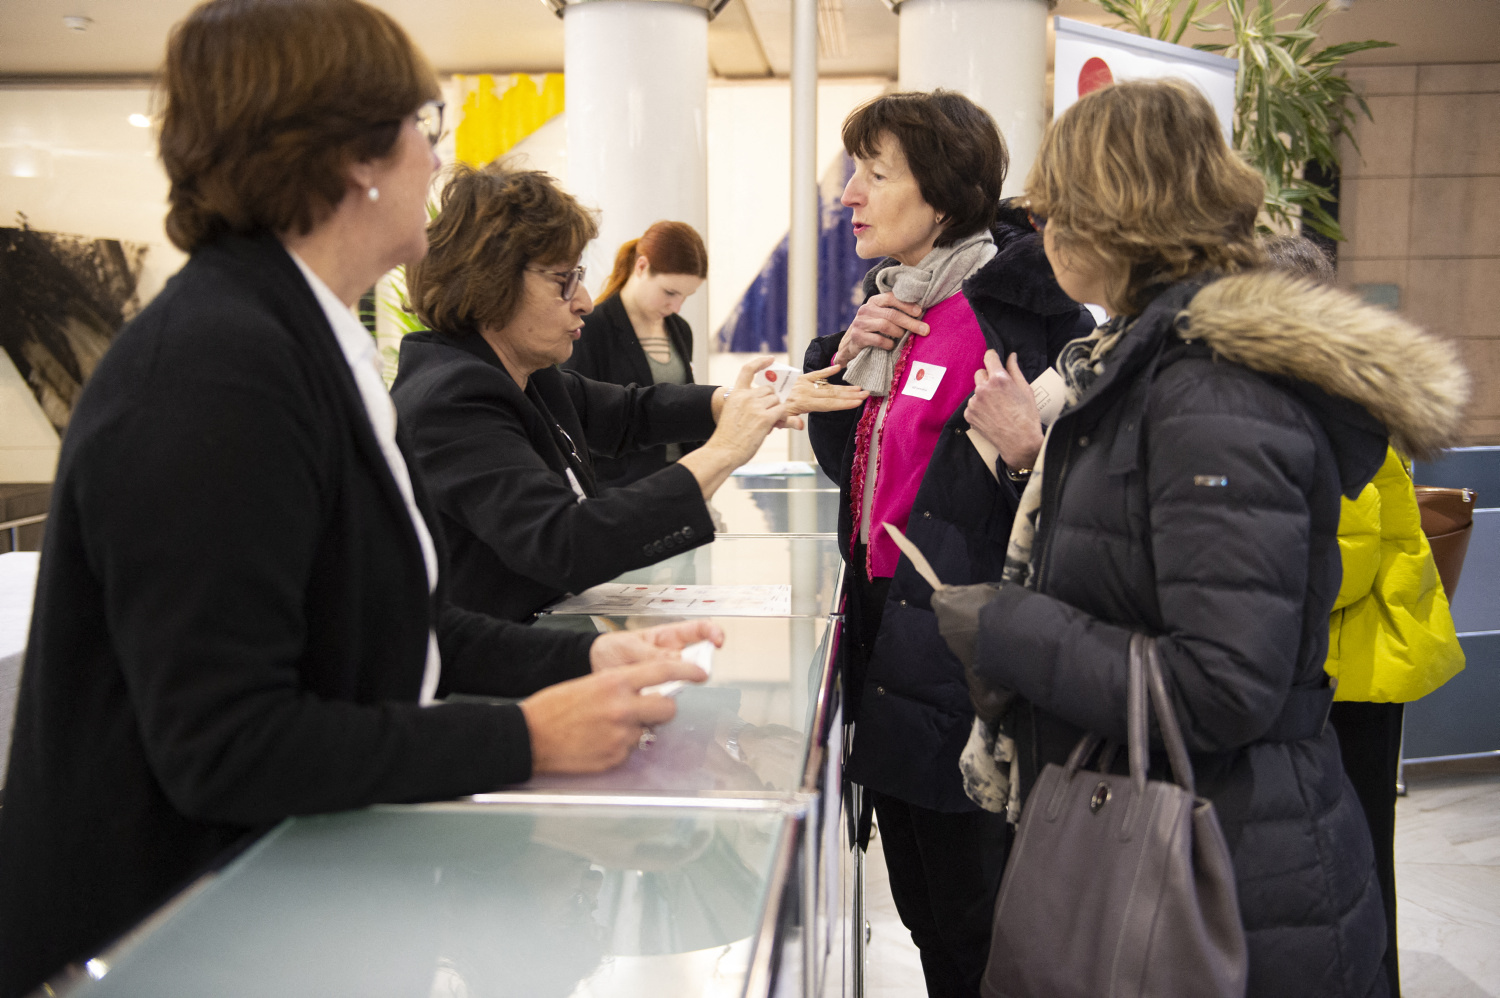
940 274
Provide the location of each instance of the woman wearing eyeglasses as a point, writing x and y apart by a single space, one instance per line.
241 613
506 438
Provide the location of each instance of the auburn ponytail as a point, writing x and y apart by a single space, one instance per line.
671 247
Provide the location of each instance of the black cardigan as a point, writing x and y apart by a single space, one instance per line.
231 618
610 351
498 470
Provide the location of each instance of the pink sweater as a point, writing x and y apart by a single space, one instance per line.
949 356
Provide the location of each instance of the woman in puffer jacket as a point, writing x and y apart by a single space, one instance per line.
1391 637
1190 491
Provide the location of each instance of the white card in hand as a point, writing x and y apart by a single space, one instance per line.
700 654
777 377
1049 391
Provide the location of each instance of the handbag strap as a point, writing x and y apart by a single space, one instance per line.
1166 718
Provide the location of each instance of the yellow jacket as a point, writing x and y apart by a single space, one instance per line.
1391 636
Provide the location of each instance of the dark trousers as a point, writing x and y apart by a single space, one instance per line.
945 873
1370 742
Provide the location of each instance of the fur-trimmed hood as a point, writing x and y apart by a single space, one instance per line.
1019 273
1272 322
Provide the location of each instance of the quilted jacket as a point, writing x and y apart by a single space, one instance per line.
1391 637
1193 494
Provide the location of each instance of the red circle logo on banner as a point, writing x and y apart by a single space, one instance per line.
1094 74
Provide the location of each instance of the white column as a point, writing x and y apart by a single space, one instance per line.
636 75
992 51
802 241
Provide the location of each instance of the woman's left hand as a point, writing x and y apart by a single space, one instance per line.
620 648
1003 410
811 392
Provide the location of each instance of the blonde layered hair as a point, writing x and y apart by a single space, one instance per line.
1139 177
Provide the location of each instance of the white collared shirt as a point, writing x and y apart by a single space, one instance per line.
364 363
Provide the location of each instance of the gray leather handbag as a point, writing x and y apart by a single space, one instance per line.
1118 886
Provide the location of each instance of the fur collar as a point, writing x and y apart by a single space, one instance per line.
1018 275
1410 380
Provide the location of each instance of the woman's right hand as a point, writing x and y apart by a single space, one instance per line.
880 322
747 416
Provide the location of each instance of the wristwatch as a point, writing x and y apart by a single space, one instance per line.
1017 475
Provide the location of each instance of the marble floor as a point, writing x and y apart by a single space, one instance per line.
1447 882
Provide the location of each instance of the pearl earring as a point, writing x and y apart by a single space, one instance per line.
374 193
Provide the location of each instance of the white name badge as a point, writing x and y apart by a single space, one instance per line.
922 380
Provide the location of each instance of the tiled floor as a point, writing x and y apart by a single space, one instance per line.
1447 880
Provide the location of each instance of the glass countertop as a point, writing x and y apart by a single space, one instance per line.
779 504
747 731
811 565
459 901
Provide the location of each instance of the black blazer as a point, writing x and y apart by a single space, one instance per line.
231 619
497 467
610 351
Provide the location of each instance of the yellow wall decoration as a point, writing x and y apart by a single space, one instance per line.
500 111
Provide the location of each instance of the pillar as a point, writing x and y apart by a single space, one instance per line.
992 51
636 78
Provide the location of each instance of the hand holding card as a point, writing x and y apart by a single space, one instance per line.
700 654
777 377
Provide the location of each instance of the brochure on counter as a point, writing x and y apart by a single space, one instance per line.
616 599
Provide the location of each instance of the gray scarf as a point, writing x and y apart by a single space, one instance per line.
940 274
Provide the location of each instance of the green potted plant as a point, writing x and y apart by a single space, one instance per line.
1291 104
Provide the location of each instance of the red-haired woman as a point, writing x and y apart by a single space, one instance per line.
635 335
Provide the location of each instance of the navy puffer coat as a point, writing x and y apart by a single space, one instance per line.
1193 494
910 703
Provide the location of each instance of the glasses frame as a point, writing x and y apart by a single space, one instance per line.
570 279
429 118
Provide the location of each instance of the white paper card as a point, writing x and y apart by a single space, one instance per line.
922 380
1049 391
700 654
988 452
777 377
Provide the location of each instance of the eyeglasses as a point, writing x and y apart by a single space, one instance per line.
570 279
430 121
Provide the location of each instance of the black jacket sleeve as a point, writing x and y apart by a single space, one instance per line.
485 471
622 419
1230 570
489 657
829 432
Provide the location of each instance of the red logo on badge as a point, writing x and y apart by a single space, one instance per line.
770 375
921 373
1094 75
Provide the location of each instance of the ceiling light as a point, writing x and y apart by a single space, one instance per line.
140 121
77 22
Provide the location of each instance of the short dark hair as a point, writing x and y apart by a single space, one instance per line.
265 103
1299 255
953 147
491 224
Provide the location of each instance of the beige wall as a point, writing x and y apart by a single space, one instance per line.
1421 209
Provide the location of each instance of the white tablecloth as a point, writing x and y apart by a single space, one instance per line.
17 586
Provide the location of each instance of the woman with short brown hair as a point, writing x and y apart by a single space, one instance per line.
1190 491
241 613
966 275
506 438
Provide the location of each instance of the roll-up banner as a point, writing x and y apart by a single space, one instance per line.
1089 57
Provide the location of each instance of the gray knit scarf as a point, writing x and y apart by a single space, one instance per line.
940 274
